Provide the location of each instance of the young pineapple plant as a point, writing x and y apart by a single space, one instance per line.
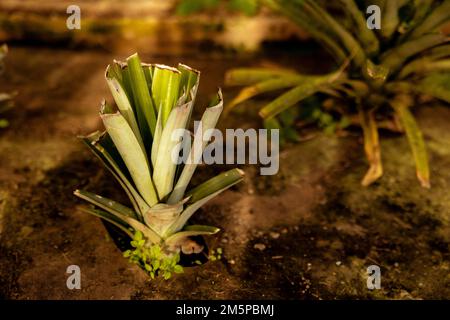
138 146
5 98
381 71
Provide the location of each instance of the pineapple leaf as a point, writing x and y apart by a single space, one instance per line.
434 20
122 225
282 82
122 101
352 46
189 231
296 94
124 220
371 147
367 37
250 76
396 57
436 85
295 10
401 106
165 90
219 183
145 109
148 74
390 19
208 121
439 52
189 79
106 204
424 66
205 192
101 145
156 139
132 154
421 10
165 166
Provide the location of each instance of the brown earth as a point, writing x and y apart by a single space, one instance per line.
321 230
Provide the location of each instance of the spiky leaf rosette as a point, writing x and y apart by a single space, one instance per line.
406 57
152 101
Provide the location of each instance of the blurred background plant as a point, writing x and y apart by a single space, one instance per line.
6 101
379 74
249 7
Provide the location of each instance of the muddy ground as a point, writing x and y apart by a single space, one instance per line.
320 229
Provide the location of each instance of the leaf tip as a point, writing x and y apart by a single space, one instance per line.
241 172
424 182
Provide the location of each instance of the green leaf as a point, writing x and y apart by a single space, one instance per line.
302 15
127 254
189 79
121 99
178 269
105 203
438 52
165 90
146 112
436 85
148 73
155 264
250 76
309 87
189 231
421 9
165 166
127 85
371 147
205 192
367 37
101 145
122 225
278 83
219 183
132 154
401 106
151 235
156 139
208 121
424 66
389 18
434 20
138 236
396 57
352 46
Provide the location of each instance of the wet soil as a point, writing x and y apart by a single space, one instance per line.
309 232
